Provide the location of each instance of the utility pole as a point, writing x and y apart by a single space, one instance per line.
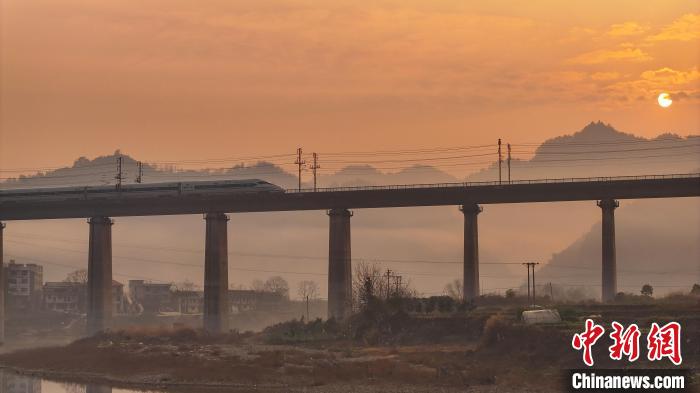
527 265
390 275
531 265
300 163
139 177
509 163
397 281
315 166
551 293
388 278
119 176
500 160
534 297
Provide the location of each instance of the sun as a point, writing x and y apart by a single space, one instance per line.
665 100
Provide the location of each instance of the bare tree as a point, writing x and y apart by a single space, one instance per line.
78 276
308 289
366 283
455 290
278 285
369 281
186 286
695 290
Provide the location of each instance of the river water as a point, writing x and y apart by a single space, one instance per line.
13 383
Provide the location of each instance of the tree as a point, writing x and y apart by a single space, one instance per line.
185 286
308 290
367 283
647 290
510 293
277 285
455 290
695 290
370 283
78 276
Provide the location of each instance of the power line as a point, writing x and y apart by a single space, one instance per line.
58 168
248 171
376 260
609 142
410 159
436 150
200 266
408 151
28 236
17 257
259 255
225 159
539 152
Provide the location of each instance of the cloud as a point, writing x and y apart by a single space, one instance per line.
668 76
605 76
685 28
626 29
606 55
684 95
680 84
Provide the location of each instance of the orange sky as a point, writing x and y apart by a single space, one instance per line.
177 79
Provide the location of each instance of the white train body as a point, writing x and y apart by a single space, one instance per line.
147 190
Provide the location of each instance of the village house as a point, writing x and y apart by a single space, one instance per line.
71 297
153 297
24 286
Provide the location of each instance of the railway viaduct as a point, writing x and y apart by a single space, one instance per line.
337 202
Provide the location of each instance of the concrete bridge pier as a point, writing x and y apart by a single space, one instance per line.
2 287
216 309
99 285
609 259
471 251
339 264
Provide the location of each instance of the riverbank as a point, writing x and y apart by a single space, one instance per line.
185 360
505 356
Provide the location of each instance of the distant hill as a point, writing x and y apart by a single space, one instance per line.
657 243
600 150
596 150
653 236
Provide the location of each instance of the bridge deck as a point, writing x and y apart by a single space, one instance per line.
522 191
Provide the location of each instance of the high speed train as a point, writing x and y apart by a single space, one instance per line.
170 189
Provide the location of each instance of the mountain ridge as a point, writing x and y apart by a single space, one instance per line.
589 151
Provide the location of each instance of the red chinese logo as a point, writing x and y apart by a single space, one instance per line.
665 342
625 342
662 342
587 339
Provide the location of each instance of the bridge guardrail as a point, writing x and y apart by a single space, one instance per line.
496 183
